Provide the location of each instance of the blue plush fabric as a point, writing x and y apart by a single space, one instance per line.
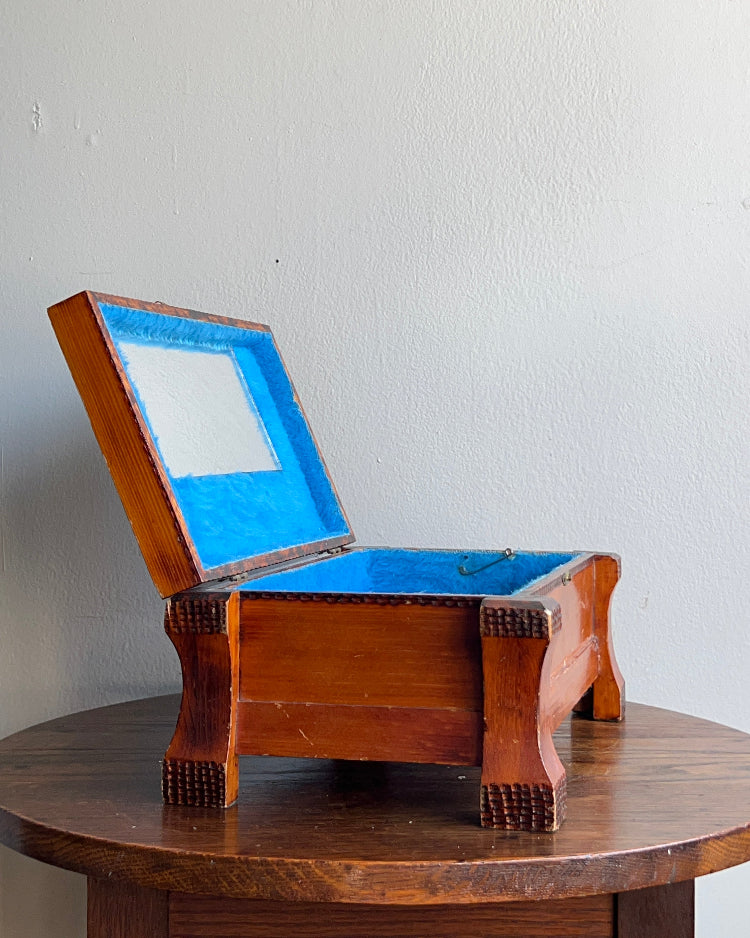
394 571
231 517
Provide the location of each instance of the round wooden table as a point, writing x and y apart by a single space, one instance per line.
320 848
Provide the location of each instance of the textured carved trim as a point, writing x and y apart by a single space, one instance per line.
196 617
201 784
520 620
368 599
517 807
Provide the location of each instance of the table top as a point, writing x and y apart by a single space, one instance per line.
660 798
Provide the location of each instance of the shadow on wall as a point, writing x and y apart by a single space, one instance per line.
83 620
63 911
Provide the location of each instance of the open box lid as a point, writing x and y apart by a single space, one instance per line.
204 437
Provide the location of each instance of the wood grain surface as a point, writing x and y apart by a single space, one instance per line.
198 917
658 912
659 799
121 910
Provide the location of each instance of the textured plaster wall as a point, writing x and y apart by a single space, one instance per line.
504 248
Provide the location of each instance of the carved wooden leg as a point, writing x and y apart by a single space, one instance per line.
201 767
609 688
523 780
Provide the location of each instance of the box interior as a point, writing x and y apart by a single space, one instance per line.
235 446
399 571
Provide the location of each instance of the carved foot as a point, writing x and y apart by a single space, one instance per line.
200 784
518 807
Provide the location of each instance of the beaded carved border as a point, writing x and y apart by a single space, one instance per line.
520 621
196 617
377 599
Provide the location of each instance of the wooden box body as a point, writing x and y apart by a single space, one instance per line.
315 648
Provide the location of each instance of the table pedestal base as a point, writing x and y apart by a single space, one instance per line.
120 910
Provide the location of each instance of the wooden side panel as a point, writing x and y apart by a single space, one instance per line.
659 912
338 731
575 597
568 682
360 654
583 593
121 910
126 445
198 917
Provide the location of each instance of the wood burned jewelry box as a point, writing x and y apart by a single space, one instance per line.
293 643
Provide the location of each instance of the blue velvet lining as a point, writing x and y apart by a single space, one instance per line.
232 517
396 571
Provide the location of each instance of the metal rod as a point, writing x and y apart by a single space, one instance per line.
506 555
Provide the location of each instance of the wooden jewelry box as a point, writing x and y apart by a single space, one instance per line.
293 643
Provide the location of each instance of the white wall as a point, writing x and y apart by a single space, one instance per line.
504 248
